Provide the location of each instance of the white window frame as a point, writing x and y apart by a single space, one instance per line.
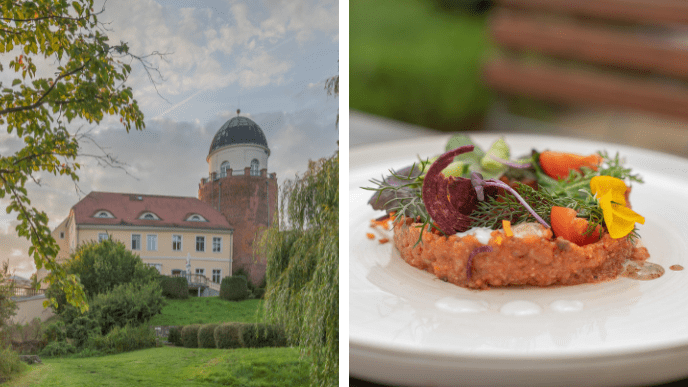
103 214
181 240
255 171
148 244
219 240
223 168
200 271
145 215
196 218
102 236
219 276
200 236
132 242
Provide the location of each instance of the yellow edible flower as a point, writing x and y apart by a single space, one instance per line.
600 185
610 192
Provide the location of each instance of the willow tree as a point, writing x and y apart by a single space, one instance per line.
302 275
81 81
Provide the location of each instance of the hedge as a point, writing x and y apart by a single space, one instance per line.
206 336
190 335
228 335
234 288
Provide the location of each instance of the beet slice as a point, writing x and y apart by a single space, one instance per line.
449 200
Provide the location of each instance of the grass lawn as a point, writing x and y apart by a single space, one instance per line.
173 366
206 310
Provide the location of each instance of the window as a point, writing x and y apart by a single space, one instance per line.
152 242
217 244
200 271
149 216
196 218
102 236
254 167
157 266
136 241
224 168
200 243
103 214
61 234
217 275
176 242
177 272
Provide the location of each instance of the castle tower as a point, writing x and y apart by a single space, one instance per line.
240 188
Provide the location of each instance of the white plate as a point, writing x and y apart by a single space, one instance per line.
409 328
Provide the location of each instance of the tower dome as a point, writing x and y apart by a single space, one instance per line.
236 131
239 145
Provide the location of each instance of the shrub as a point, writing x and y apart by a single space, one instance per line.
262 335
175 336
234 288
190 335
103 266
127 304
56 331
10 363
58 348
174 287
228 335
206 336
81 328
123 339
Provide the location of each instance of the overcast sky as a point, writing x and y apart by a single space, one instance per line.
270 58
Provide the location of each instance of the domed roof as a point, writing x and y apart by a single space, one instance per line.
238 130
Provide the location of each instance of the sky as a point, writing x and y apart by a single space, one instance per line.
269 58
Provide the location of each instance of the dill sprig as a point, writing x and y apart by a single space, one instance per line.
401 193
493 210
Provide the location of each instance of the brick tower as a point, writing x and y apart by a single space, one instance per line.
240 187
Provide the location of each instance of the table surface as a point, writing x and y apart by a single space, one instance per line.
365 129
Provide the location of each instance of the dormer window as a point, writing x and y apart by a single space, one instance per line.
196 218
149 216
103 214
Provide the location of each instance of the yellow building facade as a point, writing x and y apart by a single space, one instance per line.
176 235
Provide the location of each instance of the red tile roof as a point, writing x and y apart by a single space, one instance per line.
127 208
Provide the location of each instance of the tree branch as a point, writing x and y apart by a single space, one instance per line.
40 100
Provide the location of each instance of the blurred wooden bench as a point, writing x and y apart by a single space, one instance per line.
628 54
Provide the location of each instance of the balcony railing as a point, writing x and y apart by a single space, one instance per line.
194 280
27 292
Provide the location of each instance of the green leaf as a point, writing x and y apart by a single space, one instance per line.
16 82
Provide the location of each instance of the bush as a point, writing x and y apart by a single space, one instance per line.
259 292
81 328
262 335
101 267
58 348
10 363
206 336
56 331
190 335
123 339
234 288
176 288
175 336
228 335
127 304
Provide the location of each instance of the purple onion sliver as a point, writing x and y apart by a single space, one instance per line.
510 163
476 251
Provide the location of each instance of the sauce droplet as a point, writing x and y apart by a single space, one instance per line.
642 270
565 306
676 267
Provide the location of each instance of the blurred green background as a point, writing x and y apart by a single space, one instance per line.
419 61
